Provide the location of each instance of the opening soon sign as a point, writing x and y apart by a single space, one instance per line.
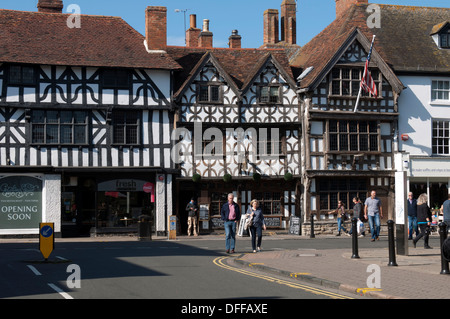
20 202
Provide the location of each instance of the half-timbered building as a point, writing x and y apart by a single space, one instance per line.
237 129
85 121
347 152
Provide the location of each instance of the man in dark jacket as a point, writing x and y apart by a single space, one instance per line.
412 215
192 210
230 215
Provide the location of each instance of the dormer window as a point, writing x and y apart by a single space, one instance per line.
209 93
269 94
444 39
441 35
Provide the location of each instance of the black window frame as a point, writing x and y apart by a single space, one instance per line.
52 122
20 81
124 126
210 95
271 99
343 134
116 78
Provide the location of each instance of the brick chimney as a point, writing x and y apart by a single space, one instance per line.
289 21
271 35
50 6
343 5
234 41
156 28
206 37
192 34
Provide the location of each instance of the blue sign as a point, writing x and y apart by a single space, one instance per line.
46 231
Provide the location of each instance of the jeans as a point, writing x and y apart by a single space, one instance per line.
374 224
230 234
256 231
340 223
412 223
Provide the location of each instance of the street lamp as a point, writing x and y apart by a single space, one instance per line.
184 12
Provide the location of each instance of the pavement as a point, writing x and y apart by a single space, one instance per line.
415 276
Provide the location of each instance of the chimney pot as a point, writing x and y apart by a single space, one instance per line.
234 40
206 37
192 34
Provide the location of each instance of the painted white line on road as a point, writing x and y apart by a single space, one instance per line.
34 270
60 291
62 258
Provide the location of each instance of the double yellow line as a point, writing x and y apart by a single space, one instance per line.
220 261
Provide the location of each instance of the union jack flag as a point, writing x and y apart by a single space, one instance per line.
367 83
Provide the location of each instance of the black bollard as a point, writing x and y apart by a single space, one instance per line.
312 227
355 238
391 238
444 259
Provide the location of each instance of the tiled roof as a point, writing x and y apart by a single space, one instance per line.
45 38
240 64
403 40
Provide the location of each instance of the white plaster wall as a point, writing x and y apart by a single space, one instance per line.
416 114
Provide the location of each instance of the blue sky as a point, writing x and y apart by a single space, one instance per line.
244 15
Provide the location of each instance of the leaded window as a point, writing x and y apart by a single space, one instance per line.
125 127
353 136
59 127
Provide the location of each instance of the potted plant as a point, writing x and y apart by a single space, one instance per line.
227 178
196 178
287 176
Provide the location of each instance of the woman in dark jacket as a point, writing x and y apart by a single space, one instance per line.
423 220
257 225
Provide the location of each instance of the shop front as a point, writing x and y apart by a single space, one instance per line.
100 204
277 198
431 176
27 200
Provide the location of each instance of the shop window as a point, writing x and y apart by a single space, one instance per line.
217 201
270 202
59 127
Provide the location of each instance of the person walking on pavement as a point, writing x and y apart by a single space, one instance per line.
445 210
412 215
257 225
340 210
192 210
230 214
423 220
373 212
359 214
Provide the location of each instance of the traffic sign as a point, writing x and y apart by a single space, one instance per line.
46 239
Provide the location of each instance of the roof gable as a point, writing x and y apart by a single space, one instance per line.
353 48
406 49
239 67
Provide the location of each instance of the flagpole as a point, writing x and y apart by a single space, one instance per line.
360 88
357 100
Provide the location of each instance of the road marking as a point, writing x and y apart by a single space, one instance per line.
219 261
60 291
364 290
34 270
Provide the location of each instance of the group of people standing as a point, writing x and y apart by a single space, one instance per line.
372 212
231 214
420 218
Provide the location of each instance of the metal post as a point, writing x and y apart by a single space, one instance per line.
392 261
443 236
355 237
312 227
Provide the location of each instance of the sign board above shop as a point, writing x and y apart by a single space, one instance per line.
123 185
20 202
